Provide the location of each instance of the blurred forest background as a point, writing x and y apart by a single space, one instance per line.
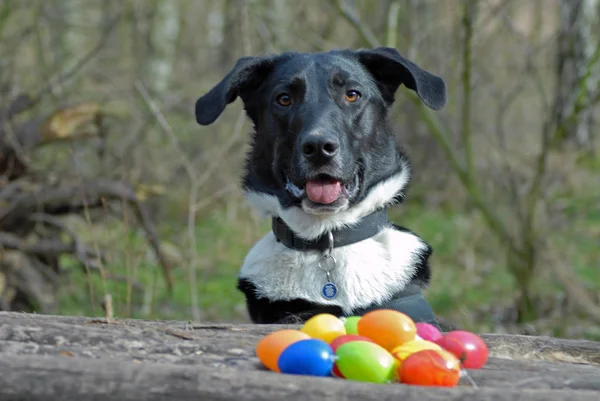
113 200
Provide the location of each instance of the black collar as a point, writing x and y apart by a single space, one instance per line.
367 227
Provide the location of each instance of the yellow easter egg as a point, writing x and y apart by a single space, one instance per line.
324 326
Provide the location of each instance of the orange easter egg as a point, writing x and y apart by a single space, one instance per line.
388 328
272 345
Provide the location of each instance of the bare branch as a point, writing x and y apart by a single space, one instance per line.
392 23
504 106
574 288
40 247
64 76
19 104
79 249
214 197
52 199
362 29
467 26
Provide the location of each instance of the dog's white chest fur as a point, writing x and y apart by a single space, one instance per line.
367 272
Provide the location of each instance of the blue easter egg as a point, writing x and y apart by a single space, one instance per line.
311 357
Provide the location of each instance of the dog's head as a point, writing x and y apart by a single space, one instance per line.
321 140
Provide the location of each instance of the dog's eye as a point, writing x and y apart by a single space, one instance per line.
284 99
352 96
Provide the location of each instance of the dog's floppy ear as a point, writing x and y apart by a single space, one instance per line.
247 74
391 69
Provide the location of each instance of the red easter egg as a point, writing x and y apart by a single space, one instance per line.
430 368
468 347
343 339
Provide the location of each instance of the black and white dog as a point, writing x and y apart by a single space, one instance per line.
325 165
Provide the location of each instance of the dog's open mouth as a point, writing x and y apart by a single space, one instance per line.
323 189
326 190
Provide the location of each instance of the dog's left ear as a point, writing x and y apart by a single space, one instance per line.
390 69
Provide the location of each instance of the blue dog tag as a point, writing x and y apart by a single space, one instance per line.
329 291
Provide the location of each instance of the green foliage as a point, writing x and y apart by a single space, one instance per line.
221 247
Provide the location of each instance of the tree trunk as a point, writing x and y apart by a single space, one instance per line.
577 70
164 33
522 265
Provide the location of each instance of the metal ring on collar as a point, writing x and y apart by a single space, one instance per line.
329 250
333 264
327 254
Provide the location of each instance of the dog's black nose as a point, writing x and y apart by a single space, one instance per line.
318 147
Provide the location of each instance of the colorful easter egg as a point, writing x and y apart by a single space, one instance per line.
312 357
428 332
324 326
468 347
388 328
351 323
335 344
365 361
430 368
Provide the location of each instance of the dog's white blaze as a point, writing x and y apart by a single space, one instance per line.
367 272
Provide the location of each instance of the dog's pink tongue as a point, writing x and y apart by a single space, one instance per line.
324 192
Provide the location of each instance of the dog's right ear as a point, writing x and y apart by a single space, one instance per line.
247 74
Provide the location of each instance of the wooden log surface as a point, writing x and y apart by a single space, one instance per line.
64 358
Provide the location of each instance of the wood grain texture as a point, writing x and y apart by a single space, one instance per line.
53 357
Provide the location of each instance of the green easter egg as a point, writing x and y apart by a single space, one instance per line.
365 361
351 324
